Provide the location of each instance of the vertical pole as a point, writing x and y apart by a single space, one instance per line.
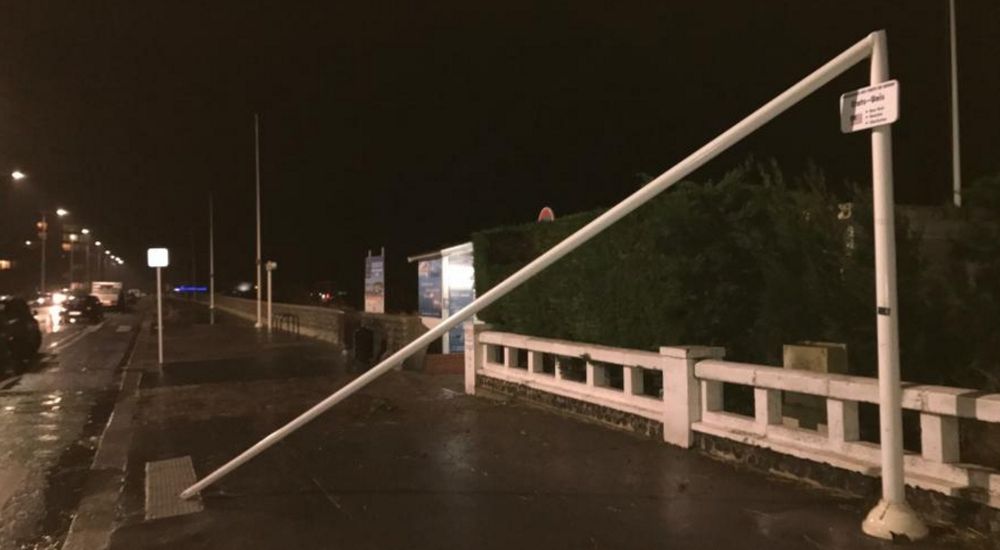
72 250
269 271
211 261
45 235
892 516
256 156
87 263
956 158
194 266
159 315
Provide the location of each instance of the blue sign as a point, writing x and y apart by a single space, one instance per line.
375 284
429 288
190 288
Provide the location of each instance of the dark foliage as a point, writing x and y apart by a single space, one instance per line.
750 262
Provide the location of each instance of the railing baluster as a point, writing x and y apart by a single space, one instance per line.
939 438
842 421
767 408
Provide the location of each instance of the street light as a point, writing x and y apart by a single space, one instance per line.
27 242
18 175
86 249
43 231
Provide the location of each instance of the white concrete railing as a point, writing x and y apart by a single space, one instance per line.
691 401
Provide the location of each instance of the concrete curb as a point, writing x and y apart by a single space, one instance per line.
95 516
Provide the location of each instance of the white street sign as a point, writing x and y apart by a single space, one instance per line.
869 107
157 257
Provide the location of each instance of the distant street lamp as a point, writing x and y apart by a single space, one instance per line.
86 249
27 243
73 239
43 233
18 175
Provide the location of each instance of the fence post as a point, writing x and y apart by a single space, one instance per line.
681 391
473 353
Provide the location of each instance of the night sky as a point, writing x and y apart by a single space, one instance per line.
409 125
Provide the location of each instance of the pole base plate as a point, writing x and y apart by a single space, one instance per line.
894 521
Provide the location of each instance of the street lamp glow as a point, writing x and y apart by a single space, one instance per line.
107 252
27 243
18 175
62 212
97 244
85 231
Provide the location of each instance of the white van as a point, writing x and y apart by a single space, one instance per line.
108 292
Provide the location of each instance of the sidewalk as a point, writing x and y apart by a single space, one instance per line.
411 462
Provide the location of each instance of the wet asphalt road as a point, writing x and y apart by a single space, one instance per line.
50 423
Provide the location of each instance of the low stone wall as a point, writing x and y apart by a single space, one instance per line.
335 325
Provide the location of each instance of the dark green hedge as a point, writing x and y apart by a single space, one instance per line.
750 262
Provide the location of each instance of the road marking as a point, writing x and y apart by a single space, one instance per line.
11 477
9 383
70 340
165 479
123 328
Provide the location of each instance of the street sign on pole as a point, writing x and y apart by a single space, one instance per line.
158 258
869 107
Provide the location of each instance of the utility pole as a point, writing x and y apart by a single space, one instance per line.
43 233
256 150
86 247
211 261
72 250
956 159
194 265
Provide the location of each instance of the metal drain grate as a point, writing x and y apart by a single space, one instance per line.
165 479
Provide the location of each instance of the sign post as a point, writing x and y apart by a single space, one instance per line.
158 258
270 266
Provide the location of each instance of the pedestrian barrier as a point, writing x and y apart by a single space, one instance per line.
287 322
691 401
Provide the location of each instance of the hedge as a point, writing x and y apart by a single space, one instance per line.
749 262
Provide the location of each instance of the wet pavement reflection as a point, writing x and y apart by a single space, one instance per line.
50 422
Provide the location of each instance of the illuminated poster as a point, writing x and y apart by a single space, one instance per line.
429 288
375 284
459 276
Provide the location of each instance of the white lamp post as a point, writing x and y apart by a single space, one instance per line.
271 266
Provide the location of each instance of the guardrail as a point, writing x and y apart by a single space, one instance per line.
689 400
287 322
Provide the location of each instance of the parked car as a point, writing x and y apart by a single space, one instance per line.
20 337
82 307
